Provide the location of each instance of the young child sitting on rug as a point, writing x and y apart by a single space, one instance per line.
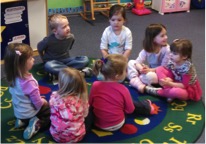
30 108
69 107
111 100
179 78
156 53
116 38
54 49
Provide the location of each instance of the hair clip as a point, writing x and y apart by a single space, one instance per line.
175 40
104 60
18 52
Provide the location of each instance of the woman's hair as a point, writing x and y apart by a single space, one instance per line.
116 9
71 82
150 33
54 20
112 65
182 47
15 59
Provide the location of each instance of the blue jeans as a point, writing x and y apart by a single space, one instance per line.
54 66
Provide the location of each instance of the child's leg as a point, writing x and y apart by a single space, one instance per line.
78 62
143 107
131 70
44 116
163 73
89 120
54 66
137 83
149 78
174 93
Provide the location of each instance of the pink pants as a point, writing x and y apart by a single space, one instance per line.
170 92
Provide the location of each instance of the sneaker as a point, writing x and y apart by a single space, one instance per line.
52 77
152 90
87 71
153 108
19 123
32 128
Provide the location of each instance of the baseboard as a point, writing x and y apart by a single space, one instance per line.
35 53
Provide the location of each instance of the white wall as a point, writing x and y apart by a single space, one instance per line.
37 16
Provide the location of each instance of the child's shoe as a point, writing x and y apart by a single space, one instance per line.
153 108
32 128
87 71
19 123
152 90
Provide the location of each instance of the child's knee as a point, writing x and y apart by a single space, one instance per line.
150 78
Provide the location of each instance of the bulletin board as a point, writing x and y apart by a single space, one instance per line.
14 24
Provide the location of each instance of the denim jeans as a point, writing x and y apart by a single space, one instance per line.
54 66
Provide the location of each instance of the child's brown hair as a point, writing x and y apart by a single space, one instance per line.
150 33
15 60
182 47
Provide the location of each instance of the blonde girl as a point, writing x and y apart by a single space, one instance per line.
155 53
111 100
69 107
30 108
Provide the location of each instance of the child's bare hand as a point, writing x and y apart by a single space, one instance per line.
145 69
165 82
43 97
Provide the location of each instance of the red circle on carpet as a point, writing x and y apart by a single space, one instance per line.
128 129
44 90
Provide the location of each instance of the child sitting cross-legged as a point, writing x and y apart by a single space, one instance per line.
111 100
179 78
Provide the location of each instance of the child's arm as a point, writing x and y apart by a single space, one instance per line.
127 53
170 83
104 53
31 89
41 46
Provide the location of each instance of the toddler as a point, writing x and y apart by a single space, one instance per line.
29 107
69 107
111 100
155 53
54 49
116 38
179 78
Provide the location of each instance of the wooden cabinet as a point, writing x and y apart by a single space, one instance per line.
167 6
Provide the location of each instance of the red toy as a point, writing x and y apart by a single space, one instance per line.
139 8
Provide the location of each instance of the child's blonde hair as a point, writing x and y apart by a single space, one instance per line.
54 20
71 82
112 65
15 60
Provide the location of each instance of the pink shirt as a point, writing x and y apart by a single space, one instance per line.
110 100
67 118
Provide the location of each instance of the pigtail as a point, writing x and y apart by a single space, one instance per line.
97 66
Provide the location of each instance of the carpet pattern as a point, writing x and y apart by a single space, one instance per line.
176 122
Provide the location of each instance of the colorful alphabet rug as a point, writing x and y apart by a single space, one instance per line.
176 122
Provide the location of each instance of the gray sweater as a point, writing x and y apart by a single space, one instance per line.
51 48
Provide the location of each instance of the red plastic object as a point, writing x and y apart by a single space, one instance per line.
139 8
141 11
